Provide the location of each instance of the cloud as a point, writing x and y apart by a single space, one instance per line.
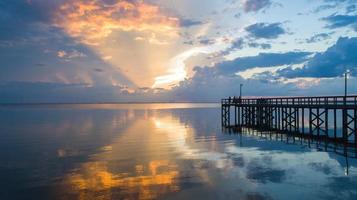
337 21
177 67
32 50
61 54
265 30
331 63
92 21
34 46
21 23
207 85
240 43
30 92
70 54
318 37
236 44
207 41
261 60
259 45
351 9
47 92
138 35
255 5
324 7
212 83
335 4
107 57
98 70
189 22
43 62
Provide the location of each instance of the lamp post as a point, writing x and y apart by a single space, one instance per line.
240 90
344 112
346 78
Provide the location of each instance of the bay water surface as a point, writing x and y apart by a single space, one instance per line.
157 151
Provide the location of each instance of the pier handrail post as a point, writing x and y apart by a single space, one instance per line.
344 113
344 121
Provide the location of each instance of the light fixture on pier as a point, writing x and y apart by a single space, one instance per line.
346 78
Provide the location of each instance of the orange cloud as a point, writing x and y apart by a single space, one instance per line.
91 21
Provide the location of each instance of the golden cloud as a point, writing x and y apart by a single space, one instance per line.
91 21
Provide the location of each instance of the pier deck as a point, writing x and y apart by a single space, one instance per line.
325 117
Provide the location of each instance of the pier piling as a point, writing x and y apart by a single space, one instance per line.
313 116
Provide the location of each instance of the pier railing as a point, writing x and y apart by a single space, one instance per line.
299 101
323 116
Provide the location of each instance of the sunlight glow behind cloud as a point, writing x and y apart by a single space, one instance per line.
93 21
123 33
177 66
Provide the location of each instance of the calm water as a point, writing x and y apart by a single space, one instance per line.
156 151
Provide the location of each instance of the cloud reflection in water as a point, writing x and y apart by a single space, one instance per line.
151 153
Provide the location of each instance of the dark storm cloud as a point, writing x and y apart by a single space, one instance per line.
331 63
265 30
256 5
337 21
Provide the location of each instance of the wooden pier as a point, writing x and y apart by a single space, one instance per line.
331 118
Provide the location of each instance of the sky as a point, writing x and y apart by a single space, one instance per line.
174 50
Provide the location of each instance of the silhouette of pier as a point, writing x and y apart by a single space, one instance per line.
330 118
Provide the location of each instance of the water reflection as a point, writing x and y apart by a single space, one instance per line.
144 152
134 166
96 179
